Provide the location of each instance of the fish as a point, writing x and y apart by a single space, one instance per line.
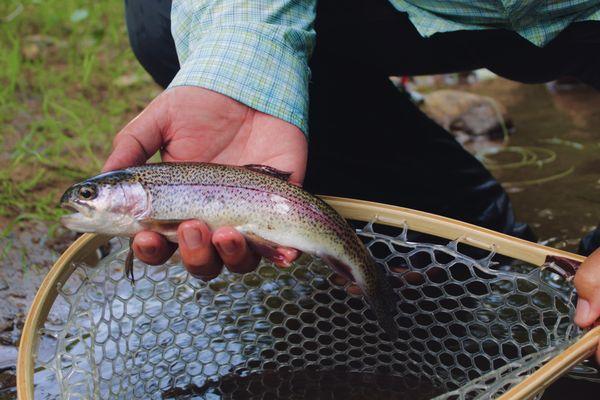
257 200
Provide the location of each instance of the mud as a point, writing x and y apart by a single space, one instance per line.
26 254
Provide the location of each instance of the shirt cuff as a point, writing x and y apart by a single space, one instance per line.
253 65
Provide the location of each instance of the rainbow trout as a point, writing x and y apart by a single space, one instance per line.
256 200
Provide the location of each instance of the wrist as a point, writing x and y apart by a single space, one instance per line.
254 66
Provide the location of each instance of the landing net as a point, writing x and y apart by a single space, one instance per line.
472 325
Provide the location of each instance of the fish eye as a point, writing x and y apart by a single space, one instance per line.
88 192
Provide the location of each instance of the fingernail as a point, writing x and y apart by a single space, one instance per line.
229 247
582 311
192 238
148 251
281 261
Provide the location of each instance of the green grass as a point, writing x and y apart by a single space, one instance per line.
68 83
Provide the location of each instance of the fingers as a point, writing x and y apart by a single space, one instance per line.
234 251
204 253
139 139
240 257
587 283
280 256
199 255
152 248
598 354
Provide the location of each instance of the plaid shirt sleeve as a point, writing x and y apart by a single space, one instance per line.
254 51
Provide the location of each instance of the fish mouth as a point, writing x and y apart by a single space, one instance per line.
77 208
79 214
69 207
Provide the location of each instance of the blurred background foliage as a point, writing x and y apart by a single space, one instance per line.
68 82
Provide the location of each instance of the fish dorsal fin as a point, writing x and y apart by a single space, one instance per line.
265 169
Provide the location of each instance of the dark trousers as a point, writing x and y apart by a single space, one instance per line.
367 140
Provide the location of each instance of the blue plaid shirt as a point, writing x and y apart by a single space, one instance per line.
257 51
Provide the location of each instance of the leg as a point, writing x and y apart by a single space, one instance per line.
369 141
374 32
149 28
575 52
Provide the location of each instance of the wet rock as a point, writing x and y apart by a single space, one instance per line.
469 117
8 357
7 339
546 213
581 106
7 322
8 379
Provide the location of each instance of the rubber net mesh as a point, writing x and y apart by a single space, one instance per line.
472 325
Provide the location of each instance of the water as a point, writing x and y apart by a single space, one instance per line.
560 211
307 385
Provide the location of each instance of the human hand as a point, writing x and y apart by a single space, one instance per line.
195 124
587 283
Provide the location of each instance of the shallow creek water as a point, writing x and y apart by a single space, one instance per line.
562 210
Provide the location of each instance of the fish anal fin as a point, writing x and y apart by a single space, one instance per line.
379 293
265 169
339 267
267 249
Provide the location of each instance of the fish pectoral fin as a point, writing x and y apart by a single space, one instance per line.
166 227
267 249
265 169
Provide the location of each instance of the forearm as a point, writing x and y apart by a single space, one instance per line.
255 52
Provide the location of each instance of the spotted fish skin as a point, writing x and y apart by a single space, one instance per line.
261 206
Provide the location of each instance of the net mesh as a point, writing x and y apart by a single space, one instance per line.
471 326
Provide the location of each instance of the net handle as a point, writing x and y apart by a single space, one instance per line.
555 368
84 248
451 229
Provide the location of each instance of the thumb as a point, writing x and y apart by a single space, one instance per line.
587 283
139 139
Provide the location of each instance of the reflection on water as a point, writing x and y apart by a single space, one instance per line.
307 385
562 210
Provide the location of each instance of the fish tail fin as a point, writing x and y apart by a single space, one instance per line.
375 285
383 300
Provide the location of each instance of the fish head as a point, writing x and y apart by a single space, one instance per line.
112 204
